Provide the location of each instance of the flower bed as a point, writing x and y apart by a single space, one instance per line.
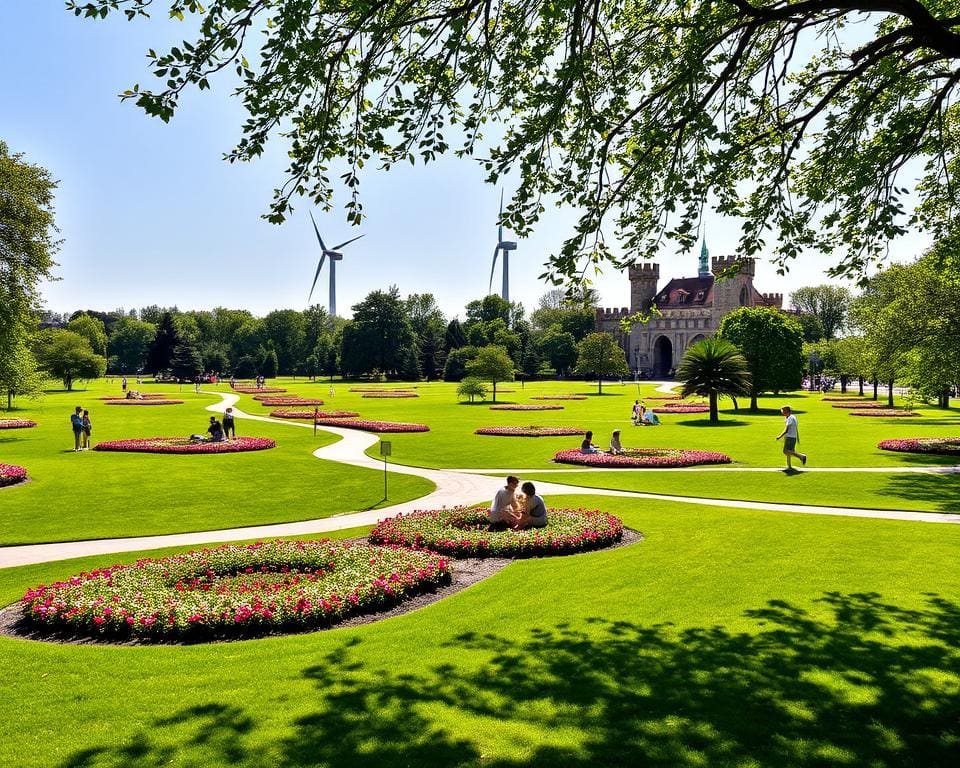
374 426
186 445
16 423
664 397
11 474
143 396
861 404
256 391
287 414
643 457
526 407
462 532
233 591
689 408
844 399
389 394
275 401
532 431
943 446
154 401
895 413
377 389
557 397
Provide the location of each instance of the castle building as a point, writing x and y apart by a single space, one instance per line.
690 308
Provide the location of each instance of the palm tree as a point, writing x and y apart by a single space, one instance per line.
714 367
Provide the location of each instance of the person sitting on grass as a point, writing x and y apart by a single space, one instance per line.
587 445
648 418
504 509
216 431
533 510
616 447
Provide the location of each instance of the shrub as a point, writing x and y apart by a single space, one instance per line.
472 387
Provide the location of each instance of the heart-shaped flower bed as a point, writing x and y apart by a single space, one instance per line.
532 431
186 445
275 401
462 532
892 412
643 457
864 404
691 408
389 394
288 414
233 591
257 391
11 474
16 423
374 426
557 397
154 401
943 446
522 407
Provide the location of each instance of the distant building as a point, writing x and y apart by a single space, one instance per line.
691 309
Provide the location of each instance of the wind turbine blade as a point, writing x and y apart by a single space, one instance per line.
319 266
318 233
499 224
496 252
338 247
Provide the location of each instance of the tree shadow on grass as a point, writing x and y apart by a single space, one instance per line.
854 680
707 423
942 491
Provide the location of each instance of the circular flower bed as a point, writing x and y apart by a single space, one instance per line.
154 401
691 408
892 412
11 474
275 401
557 397
288 414
943 446
16 423
256 391
526 407
532 431
389 394
186 445
233 591
861 404
462 532
643 457
374 426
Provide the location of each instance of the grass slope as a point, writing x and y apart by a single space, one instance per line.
725 638
94 494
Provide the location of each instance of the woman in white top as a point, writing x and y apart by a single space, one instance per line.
616 447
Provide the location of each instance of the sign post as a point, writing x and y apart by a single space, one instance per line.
315 412
386 449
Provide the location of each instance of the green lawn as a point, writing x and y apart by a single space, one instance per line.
725 638
96 494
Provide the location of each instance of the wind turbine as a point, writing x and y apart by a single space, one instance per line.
335 256
506 246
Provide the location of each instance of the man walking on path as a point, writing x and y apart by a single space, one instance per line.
791 436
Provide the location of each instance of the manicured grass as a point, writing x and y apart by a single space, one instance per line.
95 494
898 491
724 638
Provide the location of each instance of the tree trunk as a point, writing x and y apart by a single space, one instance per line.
68 383
753 401
494 391
10 400
890 393
843 384
736 405
860 382
599 385
874 387
714 415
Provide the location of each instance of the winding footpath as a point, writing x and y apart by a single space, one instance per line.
453 487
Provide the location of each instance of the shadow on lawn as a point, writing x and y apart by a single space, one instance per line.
943 491
856 682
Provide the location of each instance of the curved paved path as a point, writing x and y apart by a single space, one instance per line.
454 486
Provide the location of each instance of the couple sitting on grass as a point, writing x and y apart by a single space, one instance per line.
616 447
517 511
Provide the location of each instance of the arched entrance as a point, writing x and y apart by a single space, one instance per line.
698 338
662 357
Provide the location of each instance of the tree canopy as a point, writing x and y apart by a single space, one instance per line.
829 304
599 354
799 116
712 368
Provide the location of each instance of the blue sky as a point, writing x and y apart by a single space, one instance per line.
151 214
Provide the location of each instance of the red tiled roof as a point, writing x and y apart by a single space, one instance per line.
698 292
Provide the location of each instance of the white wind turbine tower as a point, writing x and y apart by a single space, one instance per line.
506 246
334 256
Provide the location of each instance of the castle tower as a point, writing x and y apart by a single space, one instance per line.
704 270
643 285
733 286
